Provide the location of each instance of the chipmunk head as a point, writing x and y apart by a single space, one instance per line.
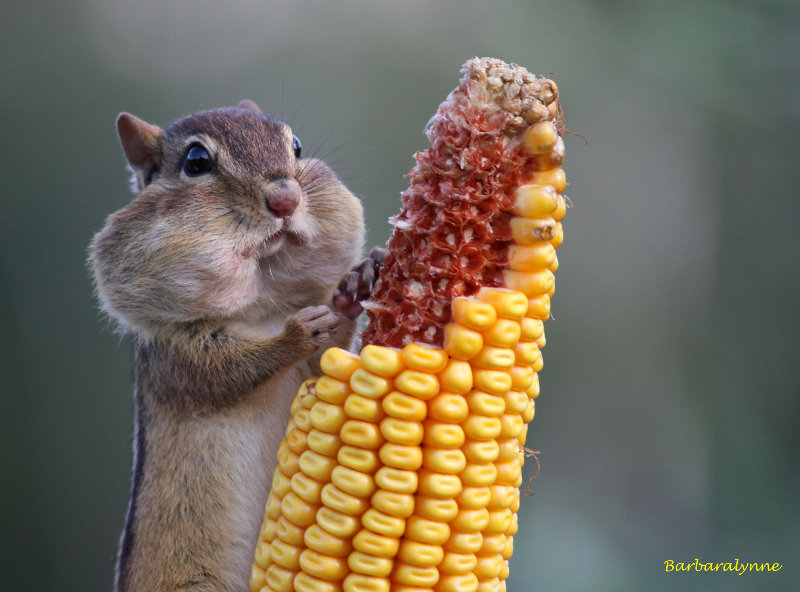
230 221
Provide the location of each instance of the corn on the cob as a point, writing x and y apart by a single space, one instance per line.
400 470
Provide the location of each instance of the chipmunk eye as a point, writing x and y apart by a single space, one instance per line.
197 162
298 149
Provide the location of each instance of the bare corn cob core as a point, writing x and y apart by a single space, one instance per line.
453 234
400 470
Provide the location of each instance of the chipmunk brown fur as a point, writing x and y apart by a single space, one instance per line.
223 270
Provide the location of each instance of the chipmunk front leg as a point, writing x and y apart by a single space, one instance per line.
203 366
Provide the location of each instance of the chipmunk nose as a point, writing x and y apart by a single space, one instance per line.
282 197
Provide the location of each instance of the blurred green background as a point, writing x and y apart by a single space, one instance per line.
669 415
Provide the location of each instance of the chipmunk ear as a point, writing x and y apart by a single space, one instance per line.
248 104
143 146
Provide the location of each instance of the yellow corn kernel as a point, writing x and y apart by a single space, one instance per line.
443 460
493 543
400 431
458 563
511 425
508 448
320 540
306 583
531 283
327 417
461 342
332 390
394 503
263 554
499 520
540 137
399 480
402 406
495 382
516 401
324 567
533 391
383 361
481 451
504 333
474 497
384 524
269 529
363 408
513 528
473 314
353 482
419 384
439 484
509 472
355 582
281 484
336 523
437 509
302 419
479 427
471 519
323 443
433 532
298 510
553 177
456 377
478 474
288 461
375 544
535 201
448 407
523 435
466 582
525 352
508 551
368 384
339 363
537 364
445 435
489 566
484 403
529 412
558 236
273 507
533 231
285 555
400 456
421 554
356 458
316 465
509 304
258 578
561 209
464 542
529 257
424 359
306 487
279 578
341 501
361 433
296 440
413 575
493 358
531 328
369 564
522 377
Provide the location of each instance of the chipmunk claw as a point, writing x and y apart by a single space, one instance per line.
356 285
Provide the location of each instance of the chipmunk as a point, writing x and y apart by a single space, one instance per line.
232 269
